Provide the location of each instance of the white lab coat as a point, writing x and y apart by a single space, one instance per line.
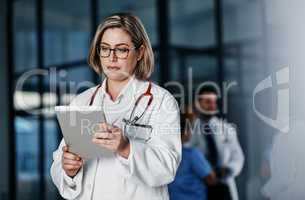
229 151
150 166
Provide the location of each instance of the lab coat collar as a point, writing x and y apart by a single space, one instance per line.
129 88
214 120
214 123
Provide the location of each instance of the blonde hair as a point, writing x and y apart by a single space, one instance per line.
134 27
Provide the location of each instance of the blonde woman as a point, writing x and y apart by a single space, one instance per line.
146 154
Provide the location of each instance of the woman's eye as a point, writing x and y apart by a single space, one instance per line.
122 50
104 49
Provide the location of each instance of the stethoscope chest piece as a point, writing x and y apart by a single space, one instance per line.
132 128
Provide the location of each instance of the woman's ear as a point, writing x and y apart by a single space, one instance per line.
141 52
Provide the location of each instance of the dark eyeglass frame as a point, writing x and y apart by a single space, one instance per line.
115 51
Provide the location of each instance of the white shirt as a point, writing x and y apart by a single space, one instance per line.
150 166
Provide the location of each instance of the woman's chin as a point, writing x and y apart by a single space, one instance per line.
117 76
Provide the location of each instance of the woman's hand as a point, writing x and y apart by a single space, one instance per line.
71 163
111 137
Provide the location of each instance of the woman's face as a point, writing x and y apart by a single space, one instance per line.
121 63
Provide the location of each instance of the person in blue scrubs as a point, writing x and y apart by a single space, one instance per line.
194 172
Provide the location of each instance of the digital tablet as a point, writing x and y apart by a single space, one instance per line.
78 125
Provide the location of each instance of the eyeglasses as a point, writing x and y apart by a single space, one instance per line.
120 52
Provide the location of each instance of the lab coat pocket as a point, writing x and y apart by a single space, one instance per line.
137 132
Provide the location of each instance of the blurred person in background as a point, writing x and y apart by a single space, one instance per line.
218 141
194 172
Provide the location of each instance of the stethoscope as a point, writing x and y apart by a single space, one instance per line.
132 119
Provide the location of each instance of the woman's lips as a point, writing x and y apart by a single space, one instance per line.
113 68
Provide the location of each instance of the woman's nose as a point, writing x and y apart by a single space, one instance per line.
113 56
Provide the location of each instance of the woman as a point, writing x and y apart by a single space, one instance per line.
139 168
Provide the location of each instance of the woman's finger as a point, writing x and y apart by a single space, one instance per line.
118 134
65 148
104 127
72 162
103 135
71 156
71 167
116 131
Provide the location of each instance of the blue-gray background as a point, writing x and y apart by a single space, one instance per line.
245 41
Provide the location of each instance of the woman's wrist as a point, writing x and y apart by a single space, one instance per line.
124 150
